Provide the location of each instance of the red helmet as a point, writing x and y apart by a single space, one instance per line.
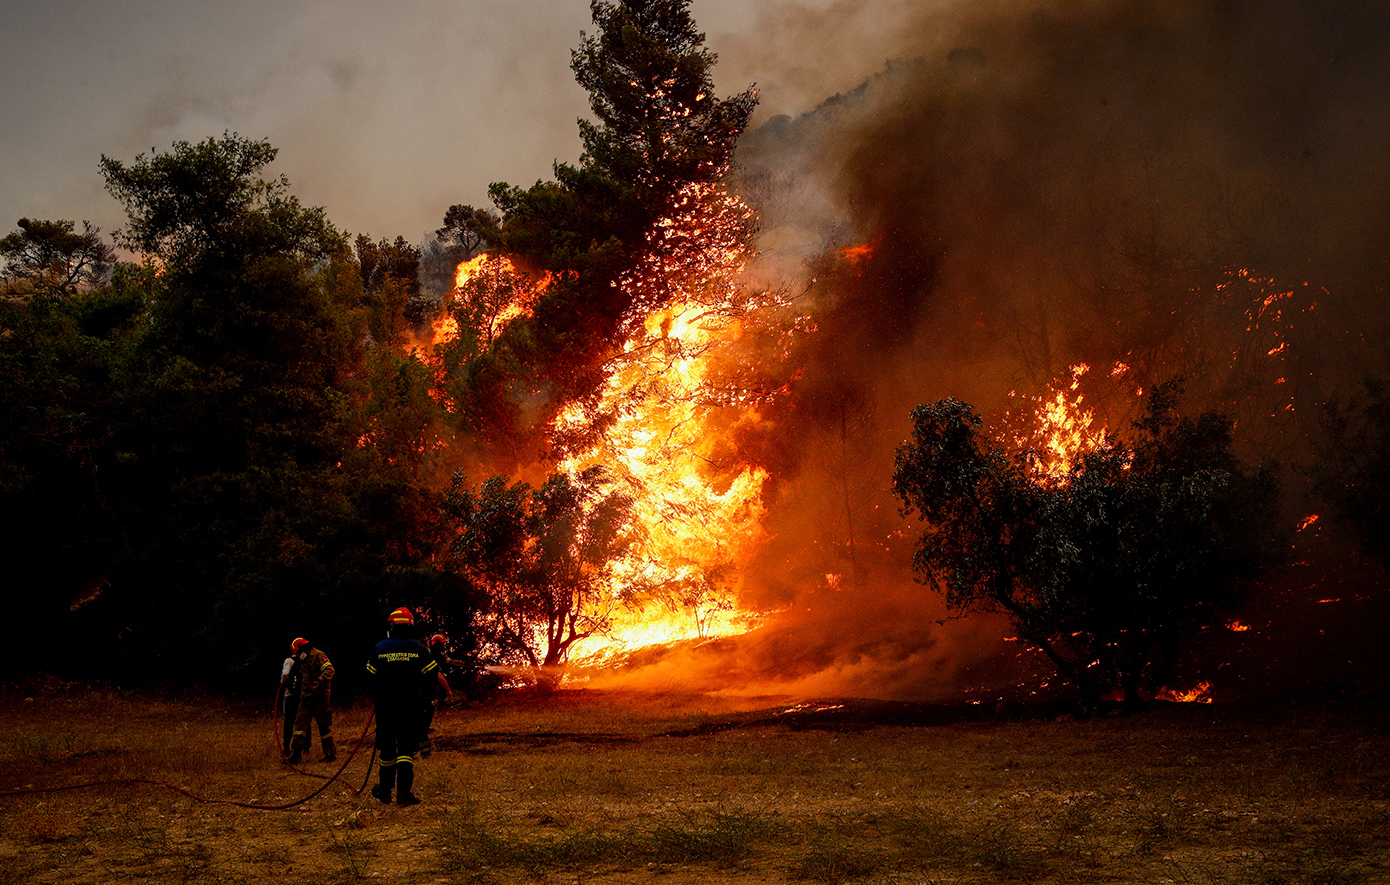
298 643
401 615
438 639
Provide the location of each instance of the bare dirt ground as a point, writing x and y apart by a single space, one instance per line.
581 786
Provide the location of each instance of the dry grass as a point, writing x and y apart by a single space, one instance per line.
590 787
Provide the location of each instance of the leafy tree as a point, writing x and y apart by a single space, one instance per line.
50 256
1105 569
390 287
467 230
205 201
659 126
221 447
237 462
545 558
60 399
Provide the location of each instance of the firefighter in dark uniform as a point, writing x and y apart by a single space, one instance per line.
315 701
402 675
438 646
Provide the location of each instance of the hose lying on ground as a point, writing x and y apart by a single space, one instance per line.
195 797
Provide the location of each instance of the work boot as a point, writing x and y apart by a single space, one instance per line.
405 779
297 747
386 777
330 750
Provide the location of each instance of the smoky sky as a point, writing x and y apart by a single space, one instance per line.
385 114
1040 186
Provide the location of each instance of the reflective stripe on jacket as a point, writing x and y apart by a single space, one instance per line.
317 671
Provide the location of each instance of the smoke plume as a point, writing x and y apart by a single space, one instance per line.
1188 189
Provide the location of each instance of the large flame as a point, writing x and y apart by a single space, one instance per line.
669 416
665 423
698 512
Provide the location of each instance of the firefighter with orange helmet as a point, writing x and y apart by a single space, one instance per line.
315 701
402 673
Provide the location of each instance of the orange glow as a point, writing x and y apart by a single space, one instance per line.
1199 695
1237 627
1308 520
489 292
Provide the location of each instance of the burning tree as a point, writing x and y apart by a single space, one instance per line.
648 76
1105 567
545 558
598 326
661 144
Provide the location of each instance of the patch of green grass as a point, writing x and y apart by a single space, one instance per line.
836 863
479 843
722 836
26 746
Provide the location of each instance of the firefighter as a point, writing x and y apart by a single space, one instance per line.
402 674
315 701
288 696
441 691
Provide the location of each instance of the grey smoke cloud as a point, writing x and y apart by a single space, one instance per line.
384 113
1190 189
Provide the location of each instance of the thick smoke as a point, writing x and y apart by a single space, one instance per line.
1187 189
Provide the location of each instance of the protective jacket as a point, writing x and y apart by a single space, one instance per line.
316 671
402 672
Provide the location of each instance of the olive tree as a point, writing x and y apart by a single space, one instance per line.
1105 569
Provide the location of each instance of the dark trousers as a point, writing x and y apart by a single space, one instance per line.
314 708
397 739
289 709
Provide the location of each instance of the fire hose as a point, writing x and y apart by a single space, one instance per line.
275 725
256 806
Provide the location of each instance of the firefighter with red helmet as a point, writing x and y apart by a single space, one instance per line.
402 673
438 646
315 701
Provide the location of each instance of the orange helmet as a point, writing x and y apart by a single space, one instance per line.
298 643
438 638
401 615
